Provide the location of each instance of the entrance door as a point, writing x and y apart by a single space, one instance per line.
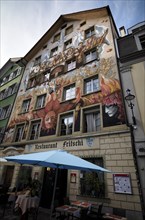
48 184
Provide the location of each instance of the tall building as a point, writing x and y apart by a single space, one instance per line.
131 48
70 98
10 78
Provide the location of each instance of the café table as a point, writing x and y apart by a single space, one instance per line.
81 204
26 202
68 211
109 216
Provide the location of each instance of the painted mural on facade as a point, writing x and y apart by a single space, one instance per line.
56 79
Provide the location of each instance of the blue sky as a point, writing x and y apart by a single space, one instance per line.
24 22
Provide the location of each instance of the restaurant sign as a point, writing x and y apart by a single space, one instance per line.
63 144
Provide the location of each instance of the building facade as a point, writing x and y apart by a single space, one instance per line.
10 77
70 98
131 49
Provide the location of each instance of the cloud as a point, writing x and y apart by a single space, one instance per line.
24 22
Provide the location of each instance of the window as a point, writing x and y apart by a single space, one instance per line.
91 85
71 65
40 101
91 183
69 92
54 51
2 94
66 124
83 23
19 132
68 44
5 112
63 26
31 82
12 89
14 74
90 55
34 130
45 77
69 30
56 37
91 119
2 131
37 61
142 41
89 32
25 106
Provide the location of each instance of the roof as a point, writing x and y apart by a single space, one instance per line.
82 15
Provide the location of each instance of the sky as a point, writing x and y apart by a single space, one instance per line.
24 22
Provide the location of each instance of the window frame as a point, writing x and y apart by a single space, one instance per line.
27 101
64 116
21 126
54 51
92 57
91 79
37 134
42 101
65 89
72 63
37 61
89 110
89 32
96 181
56 38
68 44
69 30
5 112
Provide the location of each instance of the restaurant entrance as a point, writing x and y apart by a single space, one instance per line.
48 184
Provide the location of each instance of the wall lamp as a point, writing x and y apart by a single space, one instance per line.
129 99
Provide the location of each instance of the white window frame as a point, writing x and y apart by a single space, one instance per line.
68 44
90 55
93 120
40 102
25 105
71 65
91 84
69 92
54 51
89 32
36 129
5 112
68 125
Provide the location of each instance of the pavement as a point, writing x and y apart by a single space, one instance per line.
43 214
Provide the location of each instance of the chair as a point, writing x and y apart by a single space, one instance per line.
95 212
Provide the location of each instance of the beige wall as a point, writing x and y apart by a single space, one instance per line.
138 75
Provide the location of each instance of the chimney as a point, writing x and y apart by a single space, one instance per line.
122 31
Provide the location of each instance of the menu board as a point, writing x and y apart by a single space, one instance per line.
122 183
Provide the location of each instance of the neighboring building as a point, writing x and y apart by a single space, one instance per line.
10 78
70 98
131 50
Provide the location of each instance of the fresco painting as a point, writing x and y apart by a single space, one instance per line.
109 94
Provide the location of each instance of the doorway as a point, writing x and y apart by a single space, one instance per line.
48 184
8 174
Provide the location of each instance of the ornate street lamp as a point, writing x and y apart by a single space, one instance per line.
129 98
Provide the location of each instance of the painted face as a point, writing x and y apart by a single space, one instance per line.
50 119
111 110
